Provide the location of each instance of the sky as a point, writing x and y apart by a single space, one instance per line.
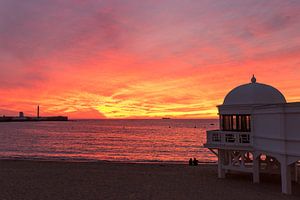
143 59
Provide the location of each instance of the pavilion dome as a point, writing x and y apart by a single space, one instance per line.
254 93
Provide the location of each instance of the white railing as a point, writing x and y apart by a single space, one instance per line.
229 138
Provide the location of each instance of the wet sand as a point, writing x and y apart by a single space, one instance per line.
103 180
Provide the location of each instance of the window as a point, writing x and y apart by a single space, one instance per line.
248 125
241 123
234 122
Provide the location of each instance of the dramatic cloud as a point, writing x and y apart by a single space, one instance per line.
131 58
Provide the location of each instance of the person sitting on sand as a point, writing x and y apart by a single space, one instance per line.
190 162
195 162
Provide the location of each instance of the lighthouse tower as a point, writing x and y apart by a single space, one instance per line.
38 112
258 133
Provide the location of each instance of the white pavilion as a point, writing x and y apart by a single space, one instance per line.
259 133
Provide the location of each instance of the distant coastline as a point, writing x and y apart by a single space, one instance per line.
23 118
32 119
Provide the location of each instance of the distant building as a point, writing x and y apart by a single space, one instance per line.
259 133
21 115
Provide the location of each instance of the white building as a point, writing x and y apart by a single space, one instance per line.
259 133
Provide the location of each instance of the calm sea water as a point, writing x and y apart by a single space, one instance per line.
158 140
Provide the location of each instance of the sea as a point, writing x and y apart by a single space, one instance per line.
121 140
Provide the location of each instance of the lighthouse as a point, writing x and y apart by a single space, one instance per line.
38 112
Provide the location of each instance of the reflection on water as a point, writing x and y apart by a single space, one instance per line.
113 140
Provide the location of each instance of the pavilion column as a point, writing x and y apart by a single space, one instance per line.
295 172
256 168
221 158
286 179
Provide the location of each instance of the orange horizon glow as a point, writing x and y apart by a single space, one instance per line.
143 59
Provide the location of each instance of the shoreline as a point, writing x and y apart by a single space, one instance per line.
78 160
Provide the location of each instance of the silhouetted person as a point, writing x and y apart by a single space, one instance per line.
191 162
195 162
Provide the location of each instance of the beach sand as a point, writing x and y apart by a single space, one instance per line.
105 180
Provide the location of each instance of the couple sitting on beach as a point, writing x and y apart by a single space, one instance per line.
193 162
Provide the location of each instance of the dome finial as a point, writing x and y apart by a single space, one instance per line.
253 79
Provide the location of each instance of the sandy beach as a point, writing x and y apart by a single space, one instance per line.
106 180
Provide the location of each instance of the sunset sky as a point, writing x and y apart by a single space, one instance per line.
143 58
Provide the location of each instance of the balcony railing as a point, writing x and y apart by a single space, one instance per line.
229 138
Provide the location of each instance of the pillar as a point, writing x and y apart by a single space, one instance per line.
295 172
256 168
286 181
221 158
